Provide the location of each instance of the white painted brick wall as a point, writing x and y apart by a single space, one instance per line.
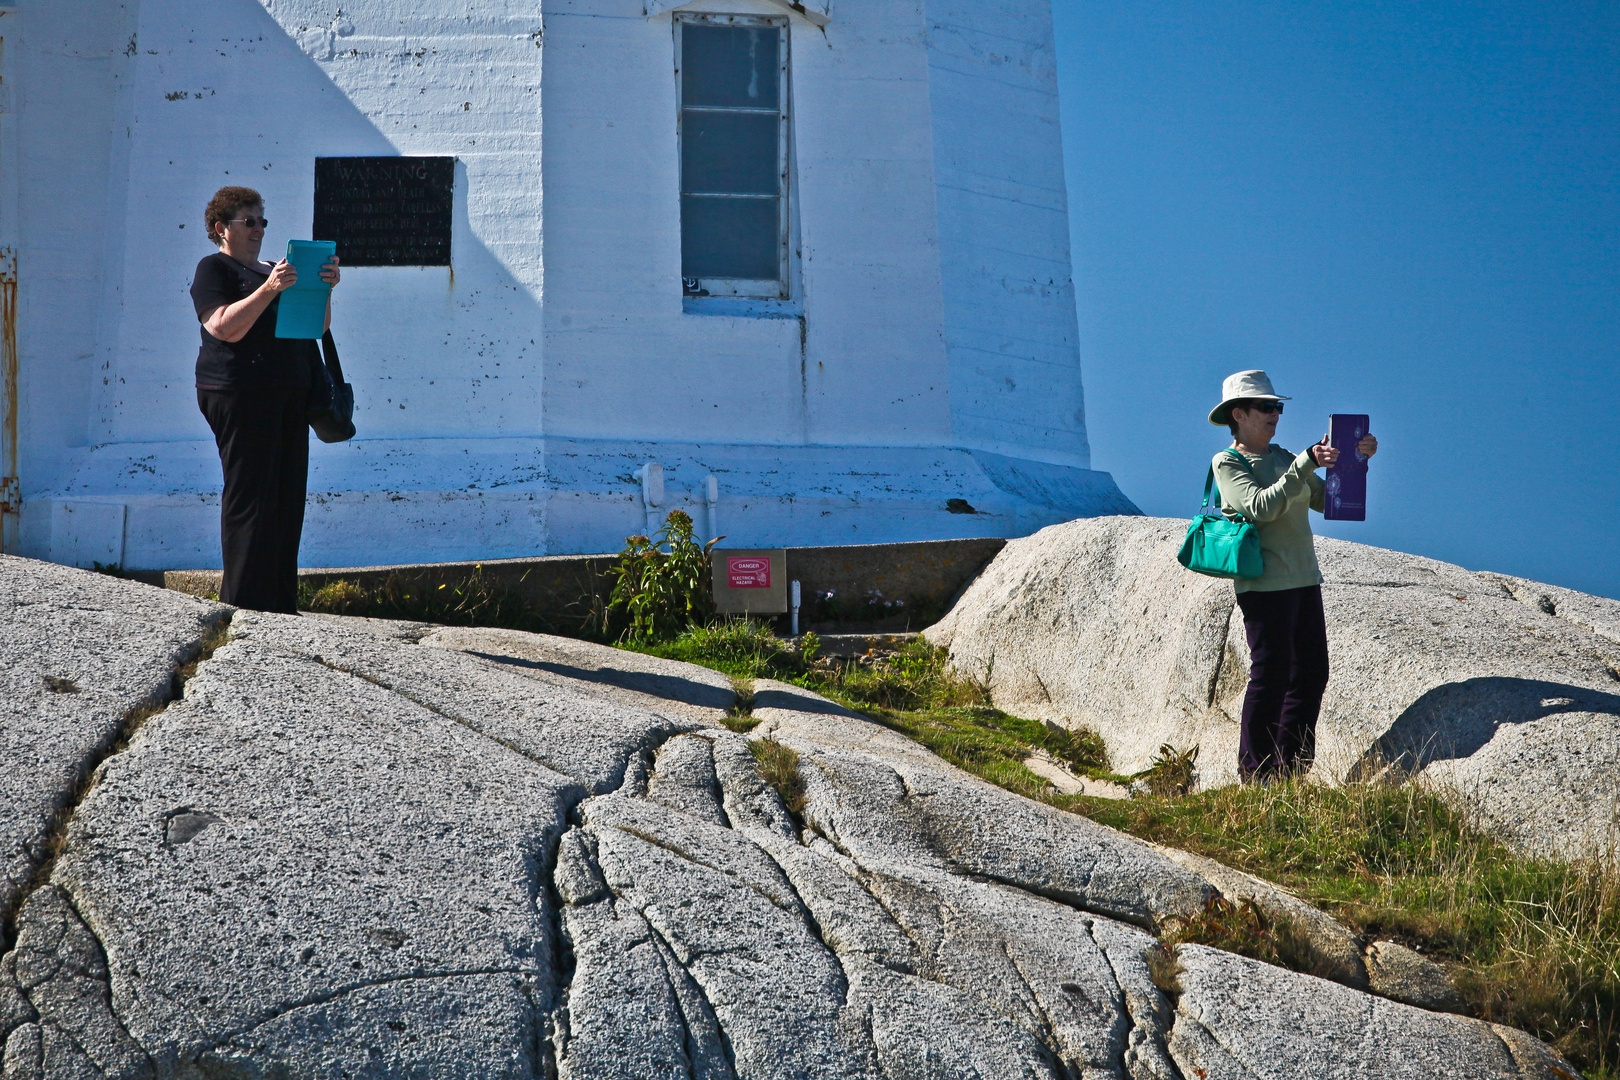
1010 322
502 400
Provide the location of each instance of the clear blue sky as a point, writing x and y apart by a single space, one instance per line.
1410 210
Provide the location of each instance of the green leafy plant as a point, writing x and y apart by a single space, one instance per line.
657 592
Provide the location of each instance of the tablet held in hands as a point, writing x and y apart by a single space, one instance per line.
301 311
1347 478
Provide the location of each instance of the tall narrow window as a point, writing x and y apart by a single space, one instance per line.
732 81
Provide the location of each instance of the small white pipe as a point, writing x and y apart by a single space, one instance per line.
712 497
795 596
651 476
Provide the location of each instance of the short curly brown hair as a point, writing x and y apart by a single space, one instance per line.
226 204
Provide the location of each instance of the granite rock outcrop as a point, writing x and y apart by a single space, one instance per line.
359 849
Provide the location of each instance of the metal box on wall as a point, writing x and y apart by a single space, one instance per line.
749 582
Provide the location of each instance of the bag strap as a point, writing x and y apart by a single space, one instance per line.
1209 481
329 350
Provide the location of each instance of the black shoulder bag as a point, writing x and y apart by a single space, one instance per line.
331 400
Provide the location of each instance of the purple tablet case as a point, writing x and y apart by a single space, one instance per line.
1347 481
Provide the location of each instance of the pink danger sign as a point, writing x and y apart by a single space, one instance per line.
748 571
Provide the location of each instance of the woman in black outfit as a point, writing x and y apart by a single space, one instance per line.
254 389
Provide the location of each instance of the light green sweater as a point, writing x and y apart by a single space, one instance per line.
1276 492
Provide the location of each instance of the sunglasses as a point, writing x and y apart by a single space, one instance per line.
252 223
1267 407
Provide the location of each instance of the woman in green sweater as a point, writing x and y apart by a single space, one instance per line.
1282 608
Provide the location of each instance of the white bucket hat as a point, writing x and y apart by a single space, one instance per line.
1243 385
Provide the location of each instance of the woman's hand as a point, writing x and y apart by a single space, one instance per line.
1368 446
329 272
283 277
1324 454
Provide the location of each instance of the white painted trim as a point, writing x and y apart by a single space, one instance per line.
816 12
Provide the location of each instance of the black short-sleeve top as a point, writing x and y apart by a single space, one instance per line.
260 358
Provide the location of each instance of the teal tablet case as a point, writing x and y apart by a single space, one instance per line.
301 312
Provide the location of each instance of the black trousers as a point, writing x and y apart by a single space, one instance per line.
1288 673
263 440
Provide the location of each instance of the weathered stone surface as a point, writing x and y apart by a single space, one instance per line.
878 795
732 920
361 848
58 1020
1505 690
647 682
1598 614
1241 1019
1398 973
79 653
1068 783
683 779
623 1016
561 727
348 854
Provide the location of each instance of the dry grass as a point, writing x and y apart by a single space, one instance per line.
1244 929
912 690
779 765
1532 943
1164 968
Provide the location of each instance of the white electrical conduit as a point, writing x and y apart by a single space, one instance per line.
712 497
651 476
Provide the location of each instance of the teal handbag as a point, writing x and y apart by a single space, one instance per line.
1218 546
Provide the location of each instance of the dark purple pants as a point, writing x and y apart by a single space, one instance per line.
1288 672
263 440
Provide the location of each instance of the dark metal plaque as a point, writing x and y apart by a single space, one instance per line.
386 211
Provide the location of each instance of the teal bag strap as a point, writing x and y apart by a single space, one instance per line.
1209 482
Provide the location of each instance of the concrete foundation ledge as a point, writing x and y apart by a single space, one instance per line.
851 588
155 505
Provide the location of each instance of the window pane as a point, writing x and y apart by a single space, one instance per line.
733 66
733 153
729 238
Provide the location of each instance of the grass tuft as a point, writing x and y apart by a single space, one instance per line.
1244 929
1164 968
741 648
740 717
779 765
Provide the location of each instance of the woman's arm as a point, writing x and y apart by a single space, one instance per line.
1241 492
231 322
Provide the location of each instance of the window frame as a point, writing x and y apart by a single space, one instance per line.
780 287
